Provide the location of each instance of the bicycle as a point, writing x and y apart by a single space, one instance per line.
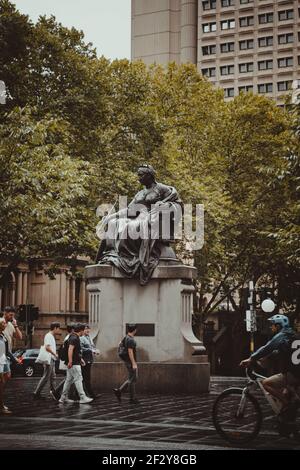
237 414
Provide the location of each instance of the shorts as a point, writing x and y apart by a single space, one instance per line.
5 368
282 380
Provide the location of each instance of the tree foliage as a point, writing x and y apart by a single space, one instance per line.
76 126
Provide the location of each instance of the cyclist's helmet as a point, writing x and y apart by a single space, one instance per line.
279 320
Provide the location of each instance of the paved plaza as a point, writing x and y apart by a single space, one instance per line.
159 422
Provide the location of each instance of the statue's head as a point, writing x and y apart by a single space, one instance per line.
146 174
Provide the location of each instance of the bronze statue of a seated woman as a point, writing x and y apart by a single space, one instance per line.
134 236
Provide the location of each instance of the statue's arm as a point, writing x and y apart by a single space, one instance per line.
169 194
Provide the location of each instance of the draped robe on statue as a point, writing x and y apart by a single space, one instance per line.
133 242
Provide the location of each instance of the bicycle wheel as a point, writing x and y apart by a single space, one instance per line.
235 425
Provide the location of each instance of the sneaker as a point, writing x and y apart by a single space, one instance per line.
5 411
85 400
54 395
66 400
37 396
118 394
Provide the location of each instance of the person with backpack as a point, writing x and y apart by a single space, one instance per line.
127 352
283 385
74 362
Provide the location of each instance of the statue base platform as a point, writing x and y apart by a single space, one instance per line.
171 359
153 377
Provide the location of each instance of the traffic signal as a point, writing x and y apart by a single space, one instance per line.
21 313
246 300
27 313
34 313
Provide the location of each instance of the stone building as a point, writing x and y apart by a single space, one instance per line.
60 296
239 45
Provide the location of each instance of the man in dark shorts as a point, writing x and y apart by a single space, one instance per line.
131 365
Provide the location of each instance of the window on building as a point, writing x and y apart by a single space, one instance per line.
285 15
227 47
265 64
227 3
208 50
209 27
246 89
209 72
227 69
229 92
265 18
228 24
246 44
265 41
246 21
265 88
284 86
243 2
247 67
285 62
209 5
286 38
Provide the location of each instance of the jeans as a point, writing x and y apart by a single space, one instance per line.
74 376
86 374
48 375
131 381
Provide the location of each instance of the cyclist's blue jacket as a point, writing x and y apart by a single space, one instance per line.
280 342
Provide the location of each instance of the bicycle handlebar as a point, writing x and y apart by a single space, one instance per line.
251 374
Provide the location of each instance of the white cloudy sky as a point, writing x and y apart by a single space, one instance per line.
105 23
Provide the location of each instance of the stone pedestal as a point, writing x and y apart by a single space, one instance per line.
170 357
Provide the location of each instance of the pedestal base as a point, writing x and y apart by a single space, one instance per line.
153 377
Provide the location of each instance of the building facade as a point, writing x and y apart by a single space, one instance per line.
239 45
60 296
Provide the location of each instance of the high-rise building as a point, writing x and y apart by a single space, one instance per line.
239 45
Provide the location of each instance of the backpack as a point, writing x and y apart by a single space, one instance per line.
122 349
63 351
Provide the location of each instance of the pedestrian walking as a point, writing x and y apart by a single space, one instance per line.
62 354
49 368
74 363
11 330
128 355
88 351
4 366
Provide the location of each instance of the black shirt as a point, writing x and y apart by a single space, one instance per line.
130 343
74 340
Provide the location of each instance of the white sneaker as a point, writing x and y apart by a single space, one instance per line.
85 400
66 400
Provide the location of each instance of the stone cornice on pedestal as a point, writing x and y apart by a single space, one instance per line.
177 271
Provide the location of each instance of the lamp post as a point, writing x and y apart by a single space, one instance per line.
251 316
267 305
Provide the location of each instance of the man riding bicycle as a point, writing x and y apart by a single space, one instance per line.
282 385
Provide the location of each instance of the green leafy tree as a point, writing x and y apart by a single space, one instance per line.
43 192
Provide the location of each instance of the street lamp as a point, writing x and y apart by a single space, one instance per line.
268 306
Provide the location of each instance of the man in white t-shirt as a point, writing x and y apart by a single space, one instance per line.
11 330
49 369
